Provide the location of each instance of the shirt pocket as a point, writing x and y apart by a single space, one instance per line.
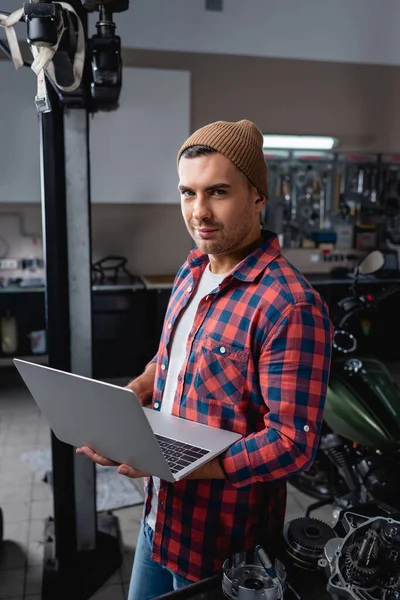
221 371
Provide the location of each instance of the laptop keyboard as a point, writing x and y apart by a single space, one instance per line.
178 454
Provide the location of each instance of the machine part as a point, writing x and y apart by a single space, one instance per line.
353 365
365 563
106 62
267 564
345 342
43 21
369 548
115 5
305 540
358 573
391 533
390 580
244 581
379 474
340 455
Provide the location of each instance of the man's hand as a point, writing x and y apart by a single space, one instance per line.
143 385
105 462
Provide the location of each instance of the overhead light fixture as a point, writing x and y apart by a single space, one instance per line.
300 142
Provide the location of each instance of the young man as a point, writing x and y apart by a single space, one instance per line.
246 346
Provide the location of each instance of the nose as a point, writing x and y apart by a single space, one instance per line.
201 209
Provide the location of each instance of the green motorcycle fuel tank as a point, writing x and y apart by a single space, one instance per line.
363 403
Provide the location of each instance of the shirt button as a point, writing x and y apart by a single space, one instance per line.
169 325
189 289
156 405
306 428
222 349
163 367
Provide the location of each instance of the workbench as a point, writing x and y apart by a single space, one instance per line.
128 319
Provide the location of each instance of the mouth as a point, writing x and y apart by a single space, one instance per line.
205 232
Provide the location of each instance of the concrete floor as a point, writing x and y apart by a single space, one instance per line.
26 501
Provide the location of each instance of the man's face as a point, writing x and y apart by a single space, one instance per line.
218 204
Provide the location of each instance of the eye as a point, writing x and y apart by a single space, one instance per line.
187 193
219 193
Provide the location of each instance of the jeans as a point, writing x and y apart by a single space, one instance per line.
150 579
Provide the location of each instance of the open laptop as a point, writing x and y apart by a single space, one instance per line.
110 419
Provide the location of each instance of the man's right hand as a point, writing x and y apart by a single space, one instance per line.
143 385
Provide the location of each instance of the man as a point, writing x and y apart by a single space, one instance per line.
246 346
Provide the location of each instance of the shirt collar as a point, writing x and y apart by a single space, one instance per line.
251 266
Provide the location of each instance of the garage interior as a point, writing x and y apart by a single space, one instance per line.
91 238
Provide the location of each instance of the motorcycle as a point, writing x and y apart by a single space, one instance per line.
358 459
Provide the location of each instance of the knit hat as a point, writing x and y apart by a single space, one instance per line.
241 142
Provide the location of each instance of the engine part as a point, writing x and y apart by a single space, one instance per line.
365 563
305 540
340 455
115 5
252 576
357 572
243 580
379 474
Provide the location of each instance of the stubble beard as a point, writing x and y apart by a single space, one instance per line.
226 240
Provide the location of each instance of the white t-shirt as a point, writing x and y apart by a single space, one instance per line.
208 282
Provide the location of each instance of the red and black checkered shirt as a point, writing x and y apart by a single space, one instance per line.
269 384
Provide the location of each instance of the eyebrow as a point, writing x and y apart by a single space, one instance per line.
215 186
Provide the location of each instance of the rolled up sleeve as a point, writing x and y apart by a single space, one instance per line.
293 370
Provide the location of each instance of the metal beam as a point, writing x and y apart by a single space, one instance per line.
82 548
76 141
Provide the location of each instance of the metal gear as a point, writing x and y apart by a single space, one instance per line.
310 533
305 541
356 573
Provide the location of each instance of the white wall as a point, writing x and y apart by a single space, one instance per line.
332 30
360 31
19 136
133 149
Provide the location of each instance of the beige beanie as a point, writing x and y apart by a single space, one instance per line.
241 142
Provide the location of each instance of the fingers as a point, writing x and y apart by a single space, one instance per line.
95 457
129 472
105 462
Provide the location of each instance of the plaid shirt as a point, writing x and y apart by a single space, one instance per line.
257 363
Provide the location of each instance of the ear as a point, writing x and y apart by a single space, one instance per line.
261 202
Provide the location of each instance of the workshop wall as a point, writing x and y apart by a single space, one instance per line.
355 102
152 237
360 31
